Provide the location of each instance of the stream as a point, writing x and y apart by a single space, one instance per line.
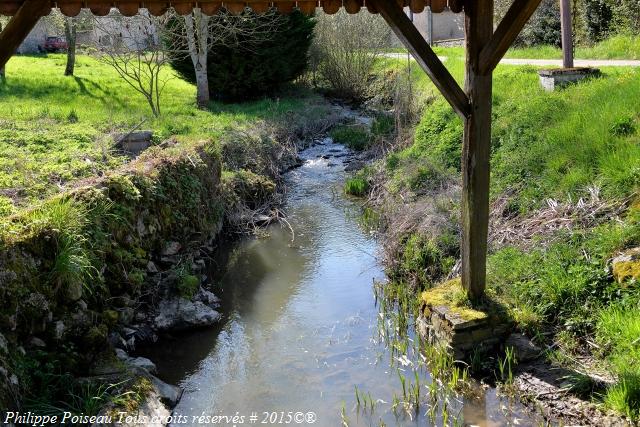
300 328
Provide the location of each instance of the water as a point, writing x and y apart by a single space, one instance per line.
301 325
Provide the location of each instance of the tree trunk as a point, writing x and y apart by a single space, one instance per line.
3 79
70 33
197 39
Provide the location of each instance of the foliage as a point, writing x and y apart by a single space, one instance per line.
543 27
439 134
265 52
598 16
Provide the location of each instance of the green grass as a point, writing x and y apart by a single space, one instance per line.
543 144
353 136
55 130
356 186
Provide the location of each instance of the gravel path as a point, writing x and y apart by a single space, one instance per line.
550 62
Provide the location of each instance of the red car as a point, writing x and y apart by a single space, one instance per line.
54 44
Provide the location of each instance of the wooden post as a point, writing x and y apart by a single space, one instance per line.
19 27
567 36
476 149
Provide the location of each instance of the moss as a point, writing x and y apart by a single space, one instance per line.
626 270
450 294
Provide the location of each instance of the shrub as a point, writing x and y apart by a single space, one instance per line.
344 52
262 53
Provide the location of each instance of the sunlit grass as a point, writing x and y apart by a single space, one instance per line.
56 129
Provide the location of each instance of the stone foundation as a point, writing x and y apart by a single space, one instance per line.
462 329
561 77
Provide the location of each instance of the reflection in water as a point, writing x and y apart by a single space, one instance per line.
301 322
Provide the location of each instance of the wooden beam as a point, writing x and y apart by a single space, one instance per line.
20 26
476 149
506 33
423 54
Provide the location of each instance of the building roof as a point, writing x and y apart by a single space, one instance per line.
210 7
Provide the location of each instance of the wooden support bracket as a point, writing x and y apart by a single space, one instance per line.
424 55
506 33
20 26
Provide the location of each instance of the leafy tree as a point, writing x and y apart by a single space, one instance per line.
597 16
255 59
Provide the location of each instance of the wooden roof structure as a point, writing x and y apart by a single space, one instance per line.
210 7
485 46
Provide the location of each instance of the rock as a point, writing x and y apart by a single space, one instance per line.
168 393
179 313
4 346
37 342
207 297
142 363
82 305
121 354
151 267
74 291
524 349
136 362
128 332
626 266
142 230
59 329
171 248
116 341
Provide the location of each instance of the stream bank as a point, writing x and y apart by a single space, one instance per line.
91 269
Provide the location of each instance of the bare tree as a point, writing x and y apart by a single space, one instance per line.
70 31
3 79
197 29
133 47
345 50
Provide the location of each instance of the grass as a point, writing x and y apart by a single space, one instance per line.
560 146
56 130
356 187
353 136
